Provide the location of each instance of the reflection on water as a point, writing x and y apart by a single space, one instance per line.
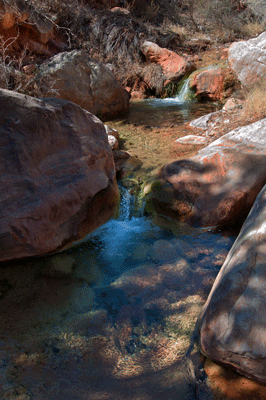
151 128
165 112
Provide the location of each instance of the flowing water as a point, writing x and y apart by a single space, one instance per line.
151 127
113 317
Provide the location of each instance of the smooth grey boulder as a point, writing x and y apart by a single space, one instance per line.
247 59
233 320
76 77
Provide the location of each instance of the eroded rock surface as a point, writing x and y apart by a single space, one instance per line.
232 325
219 185
57 175
76 77
22 27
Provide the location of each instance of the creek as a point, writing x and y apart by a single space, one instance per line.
113 317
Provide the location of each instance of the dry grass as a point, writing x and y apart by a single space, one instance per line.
255 104
116 38
252 29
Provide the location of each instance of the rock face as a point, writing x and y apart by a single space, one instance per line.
208 84
174 66
232 324
57 175
21 27
76 77
218 186
42 29
12 12
247 60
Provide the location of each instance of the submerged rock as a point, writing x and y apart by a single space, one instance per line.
232 324
57 175
218 186
76 77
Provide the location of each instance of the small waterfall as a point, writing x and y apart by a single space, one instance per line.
126 205
185 93
130 205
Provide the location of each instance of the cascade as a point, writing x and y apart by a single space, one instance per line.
130 205
185 94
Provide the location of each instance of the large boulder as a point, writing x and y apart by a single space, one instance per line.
209 84
218 186
233 320
76 77
247 60
57 175
174 66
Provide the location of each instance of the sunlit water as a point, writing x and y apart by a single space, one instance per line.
165 112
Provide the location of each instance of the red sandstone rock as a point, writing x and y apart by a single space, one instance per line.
22 28
232 325
125 163
57 175
174 66
138 95
208 84
13 11
218 186
34 47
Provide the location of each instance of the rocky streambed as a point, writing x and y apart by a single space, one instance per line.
115 317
